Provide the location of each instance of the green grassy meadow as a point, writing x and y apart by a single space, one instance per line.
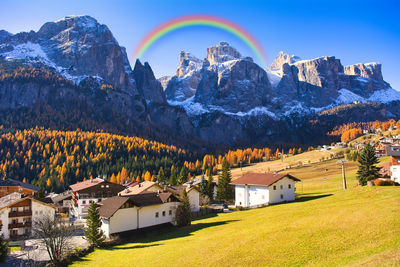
326 226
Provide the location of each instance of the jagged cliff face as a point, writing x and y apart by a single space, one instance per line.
225 98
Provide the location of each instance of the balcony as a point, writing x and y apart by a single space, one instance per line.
19 225
19 213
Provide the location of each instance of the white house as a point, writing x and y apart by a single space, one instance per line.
256 189
92 190
126 213
18 213
394 153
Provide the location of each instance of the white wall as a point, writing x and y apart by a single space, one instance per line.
240 196
282 188
194 200
258 195
39 210
252 195
126 219
395 169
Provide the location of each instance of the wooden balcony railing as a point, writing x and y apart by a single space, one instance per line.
19 213
19 225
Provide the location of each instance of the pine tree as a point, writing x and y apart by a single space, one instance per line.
203 186
183 176
183 212
210 186
172 178
367 170
161 176
93 234
3 248
224 190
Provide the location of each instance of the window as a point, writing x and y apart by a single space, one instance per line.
27 208
170 212
83 201
99 200
26 231
14 232
102 186
281 186
281 196
107 186
289 186
163 213
156 214
274 187
14 209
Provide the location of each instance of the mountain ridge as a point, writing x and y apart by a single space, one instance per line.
225 98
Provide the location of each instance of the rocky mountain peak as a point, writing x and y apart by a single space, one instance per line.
147 84
187 64
4 34
369 70
282 58
222 52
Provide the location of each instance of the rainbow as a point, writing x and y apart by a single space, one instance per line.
200 20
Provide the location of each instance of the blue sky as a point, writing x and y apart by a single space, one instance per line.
353 31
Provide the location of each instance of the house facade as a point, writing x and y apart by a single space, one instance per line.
8 186
257 189
394 153
18 214
89 191
126 213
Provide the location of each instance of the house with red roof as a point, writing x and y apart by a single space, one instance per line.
257 189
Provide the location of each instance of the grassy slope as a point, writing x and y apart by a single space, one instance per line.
325 227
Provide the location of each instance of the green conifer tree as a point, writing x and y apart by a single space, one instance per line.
161 175
93 234
172 178
183 176
183 212
210 185
368 170
224 190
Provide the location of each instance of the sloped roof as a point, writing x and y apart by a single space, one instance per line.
12 182
9 199
266 179
86 184
139 188
178 189
17 197
111 205
393 151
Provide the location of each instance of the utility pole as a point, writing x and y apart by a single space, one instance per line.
343 173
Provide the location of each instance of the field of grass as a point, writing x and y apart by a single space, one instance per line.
304 158
326 226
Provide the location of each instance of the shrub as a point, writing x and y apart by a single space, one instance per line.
383 182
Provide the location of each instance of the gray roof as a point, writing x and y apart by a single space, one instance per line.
12 182
393 151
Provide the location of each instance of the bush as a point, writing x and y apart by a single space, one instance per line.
383 182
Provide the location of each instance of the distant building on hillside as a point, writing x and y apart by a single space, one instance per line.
257 189
394 153
93 190
8 186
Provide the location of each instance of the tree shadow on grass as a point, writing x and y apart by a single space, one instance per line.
132 247
165 232
308 198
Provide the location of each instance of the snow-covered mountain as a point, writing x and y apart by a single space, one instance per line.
228 83
78 67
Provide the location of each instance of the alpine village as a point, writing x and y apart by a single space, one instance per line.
224 163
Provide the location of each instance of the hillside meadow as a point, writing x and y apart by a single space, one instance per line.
325 226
